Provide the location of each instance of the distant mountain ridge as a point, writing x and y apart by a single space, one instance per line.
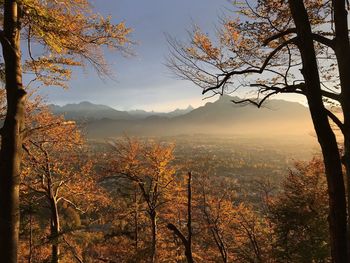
144 114
277 117
87 111
225 110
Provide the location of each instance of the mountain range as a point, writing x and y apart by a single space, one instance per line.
87 111
277 117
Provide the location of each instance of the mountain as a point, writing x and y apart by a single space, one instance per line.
277 117
88 111
224 110
180 112
141 114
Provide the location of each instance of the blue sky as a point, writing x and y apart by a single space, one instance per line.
143 81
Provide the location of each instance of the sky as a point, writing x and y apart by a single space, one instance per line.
143 81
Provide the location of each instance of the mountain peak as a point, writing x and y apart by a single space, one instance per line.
86 103
86 110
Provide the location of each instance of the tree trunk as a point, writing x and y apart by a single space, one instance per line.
187 242
188 250
55 231
11 138
184 241
153 217
30 235
136 219
342 52
325 135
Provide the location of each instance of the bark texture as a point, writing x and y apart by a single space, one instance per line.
11 138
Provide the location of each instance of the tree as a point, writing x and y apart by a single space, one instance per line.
299 215
57 174
186 242
149 166
69 33
216 211
58 185
236 229
281 47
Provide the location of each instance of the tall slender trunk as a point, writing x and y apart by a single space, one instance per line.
325 135
54 216
346 162
30 235
187 242
188 246
220 244
11 138
55 231
136 219
153 217
342 52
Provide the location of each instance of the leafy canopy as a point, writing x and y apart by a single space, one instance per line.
61 34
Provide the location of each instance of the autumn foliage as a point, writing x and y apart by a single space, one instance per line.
117 206
132 200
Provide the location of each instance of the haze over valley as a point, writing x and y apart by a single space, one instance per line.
278 118
188 131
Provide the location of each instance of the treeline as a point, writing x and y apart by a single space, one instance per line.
131 201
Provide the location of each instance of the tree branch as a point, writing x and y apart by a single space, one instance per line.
336 120
251 70
279 35
178 233
323 40
316 37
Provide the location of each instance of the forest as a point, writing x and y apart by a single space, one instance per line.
193 185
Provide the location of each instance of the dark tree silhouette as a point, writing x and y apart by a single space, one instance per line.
276 47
